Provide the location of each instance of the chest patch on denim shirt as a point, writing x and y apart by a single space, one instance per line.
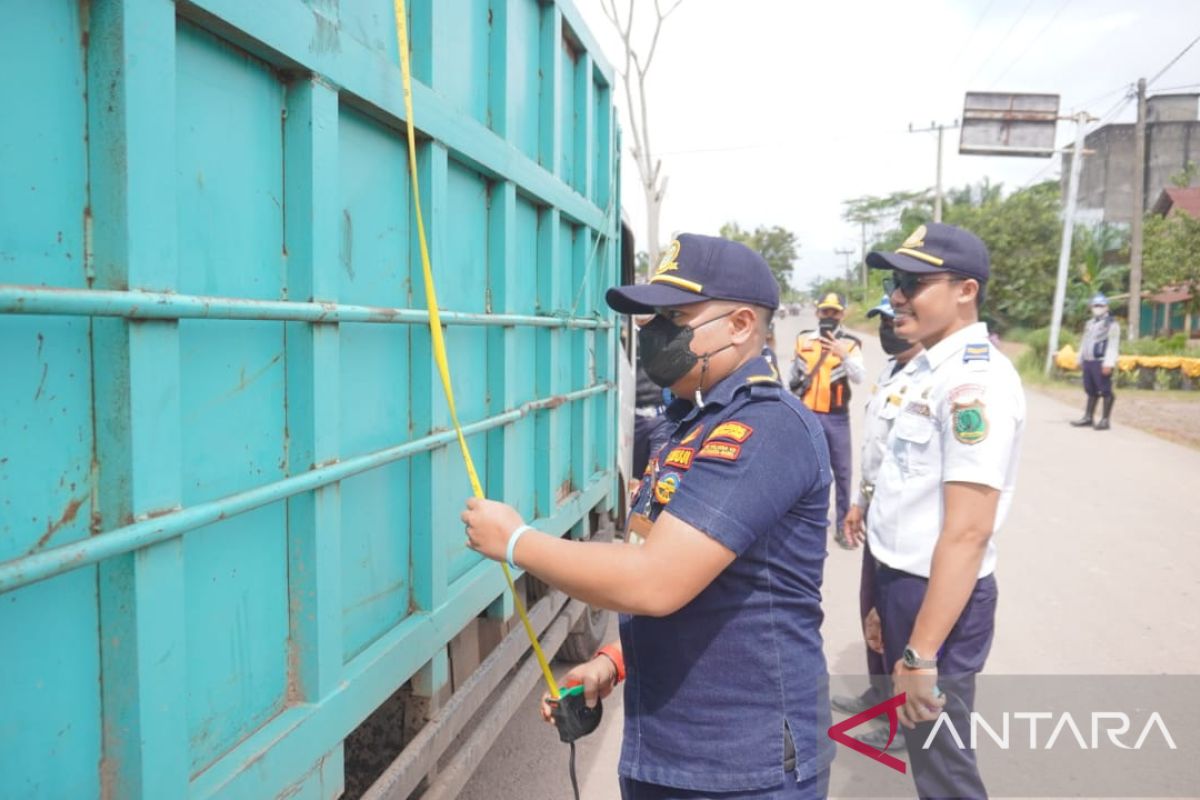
680 458
664 490
720 450
692 436
737 431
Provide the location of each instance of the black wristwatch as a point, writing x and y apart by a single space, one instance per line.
913 660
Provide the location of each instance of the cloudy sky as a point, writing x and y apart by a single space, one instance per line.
774 111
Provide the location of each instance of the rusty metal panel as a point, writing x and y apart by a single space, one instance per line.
1007 124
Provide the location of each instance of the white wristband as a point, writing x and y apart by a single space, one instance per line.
512 544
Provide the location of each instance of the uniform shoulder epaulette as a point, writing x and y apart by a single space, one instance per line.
977 352
852 338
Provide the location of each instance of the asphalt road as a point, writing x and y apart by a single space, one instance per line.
1097 570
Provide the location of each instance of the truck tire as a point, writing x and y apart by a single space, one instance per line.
587 635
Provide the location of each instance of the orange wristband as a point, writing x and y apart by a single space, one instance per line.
613 653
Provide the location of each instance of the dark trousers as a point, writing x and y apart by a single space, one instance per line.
815 788
943 770
837 433
877 670
1095 382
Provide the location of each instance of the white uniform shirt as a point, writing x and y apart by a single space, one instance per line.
961 421
883 407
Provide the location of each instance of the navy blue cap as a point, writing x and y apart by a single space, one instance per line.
937 248
696 268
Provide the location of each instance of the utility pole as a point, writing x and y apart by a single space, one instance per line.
1064 255
941 129
847 252
863 239
1139 211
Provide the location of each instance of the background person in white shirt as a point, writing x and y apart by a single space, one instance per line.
943 489
1098 351
883 407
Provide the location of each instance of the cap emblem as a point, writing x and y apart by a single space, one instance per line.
916 238
668 262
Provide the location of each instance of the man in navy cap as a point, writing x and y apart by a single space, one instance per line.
727 689
1098 351
943 489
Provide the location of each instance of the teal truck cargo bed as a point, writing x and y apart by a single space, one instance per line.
230 547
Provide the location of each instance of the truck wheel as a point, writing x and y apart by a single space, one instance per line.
586 637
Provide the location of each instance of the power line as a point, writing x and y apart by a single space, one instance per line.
996 49
971 36
1173 61
1033 41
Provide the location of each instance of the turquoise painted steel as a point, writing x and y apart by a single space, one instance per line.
229 497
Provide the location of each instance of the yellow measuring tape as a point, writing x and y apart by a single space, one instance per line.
435 331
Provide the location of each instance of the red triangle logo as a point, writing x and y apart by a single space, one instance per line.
839 735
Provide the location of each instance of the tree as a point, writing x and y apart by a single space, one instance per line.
871 211
776 244
633 76
1171 254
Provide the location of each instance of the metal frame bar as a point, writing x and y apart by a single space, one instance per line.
281 31
301 733
30 569
17 299
421 754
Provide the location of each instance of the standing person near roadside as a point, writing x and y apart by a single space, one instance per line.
883 407
1098 351
943 489
827 361
726 688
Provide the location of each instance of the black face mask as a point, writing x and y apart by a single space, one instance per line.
893 345
666 350
827 325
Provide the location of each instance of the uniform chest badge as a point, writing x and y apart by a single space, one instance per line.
736 431
664 490
970 422
720 450
680 458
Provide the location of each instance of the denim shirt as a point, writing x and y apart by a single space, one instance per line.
714 688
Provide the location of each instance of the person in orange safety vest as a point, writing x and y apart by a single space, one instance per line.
827 361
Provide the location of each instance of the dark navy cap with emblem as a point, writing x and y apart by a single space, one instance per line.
696 268
937 248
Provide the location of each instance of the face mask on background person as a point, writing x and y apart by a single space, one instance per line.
667 352
892 343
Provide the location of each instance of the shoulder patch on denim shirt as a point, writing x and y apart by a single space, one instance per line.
720 450
737 431
664 490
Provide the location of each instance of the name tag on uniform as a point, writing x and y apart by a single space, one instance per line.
918 408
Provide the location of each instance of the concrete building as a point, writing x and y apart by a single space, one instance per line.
1106 183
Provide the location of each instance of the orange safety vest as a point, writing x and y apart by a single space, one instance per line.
826 394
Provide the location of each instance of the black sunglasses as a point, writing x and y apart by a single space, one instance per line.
910 283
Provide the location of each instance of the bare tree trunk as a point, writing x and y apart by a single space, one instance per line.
633 76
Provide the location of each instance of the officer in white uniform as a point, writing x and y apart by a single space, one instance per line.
943 490
887 394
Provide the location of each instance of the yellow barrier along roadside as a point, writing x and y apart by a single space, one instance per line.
1067 359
